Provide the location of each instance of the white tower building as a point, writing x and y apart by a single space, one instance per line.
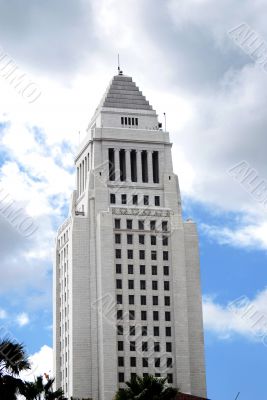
127 296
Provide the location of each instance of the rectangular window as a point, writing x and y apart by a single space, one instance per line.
141 239
143 285
156 330
144 346
142 269
133 166
152 225
117 238
132 330
130 269
118 283
118 253
168 347
157 362
153 240
141 254
170 378
168 330
132 346
155 300
166 270
144 166
119 298
145 362
122 165
167 300
129 239
146 200
155 165
143 315
157 201
153 255
121 377
166 285
129 223
143 300
130 254
165 226
118 268
119 314
135 199
112 198
120 361
117 223
165 256
136 121
131 284
169 362
131 299
111 163
141 225
165 240
154 270
123 199
131 315
156 346
144 330
120 346
120 330
167 316
155 315
155 285
122 120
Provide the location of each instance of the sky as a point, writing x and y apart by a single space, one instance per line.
191 61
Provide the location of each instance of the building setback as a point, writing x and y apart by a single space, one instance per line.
127 296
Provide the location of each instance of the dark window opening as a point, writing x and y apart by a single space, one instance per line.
111 162
112 198
144 166
155 164
135 199
122 165
133 166
122 120
157 201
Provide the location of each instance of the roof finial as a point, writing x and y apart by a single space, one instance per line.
119 67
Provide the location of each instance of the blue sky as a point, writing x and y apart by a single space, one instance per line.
214 92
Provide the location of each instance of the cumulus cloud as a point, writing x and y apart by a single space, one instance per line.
3 314
22 319
41 363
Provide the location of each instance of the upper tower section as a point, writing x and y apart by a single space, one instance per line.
124 106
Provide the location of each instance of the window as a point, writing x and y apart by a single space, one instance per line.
132 330
119 298
170 378
130 254
112 198
166 270
152 225
155 285
117 238
131 299
157 201
123 199
143 315
168 347
153 255
165 226
131 284
120 361
132 346
133 361
118 283
146 200
141 254
168 330
122 120
165 240
144 330
156 330
154 270
165 255
129 239
135 199
169 362
155 300
145 362
133 375
144 346
121 377
141 239
129 223
156 346
155 315
153 240
143 300
120 330
120 346
143 285
118 268
167 301
130 269
166 285
131 315
111 164
167 316
142 269
157 362
141 225
157 375
118 253
117 223
155 166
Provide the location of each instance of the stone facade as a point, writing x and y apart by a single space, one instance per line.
127 297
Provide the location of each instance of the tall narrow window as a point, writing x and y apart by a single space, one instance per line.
133 166
122 165
111 162
78 178
122 120
155 164
144 166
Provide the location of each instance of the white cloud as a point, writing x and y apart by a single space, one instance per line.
41 362
23 319
3 314
243 316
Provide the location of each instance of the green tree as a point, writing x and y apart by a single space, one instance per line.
13 360
146 388
39 390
